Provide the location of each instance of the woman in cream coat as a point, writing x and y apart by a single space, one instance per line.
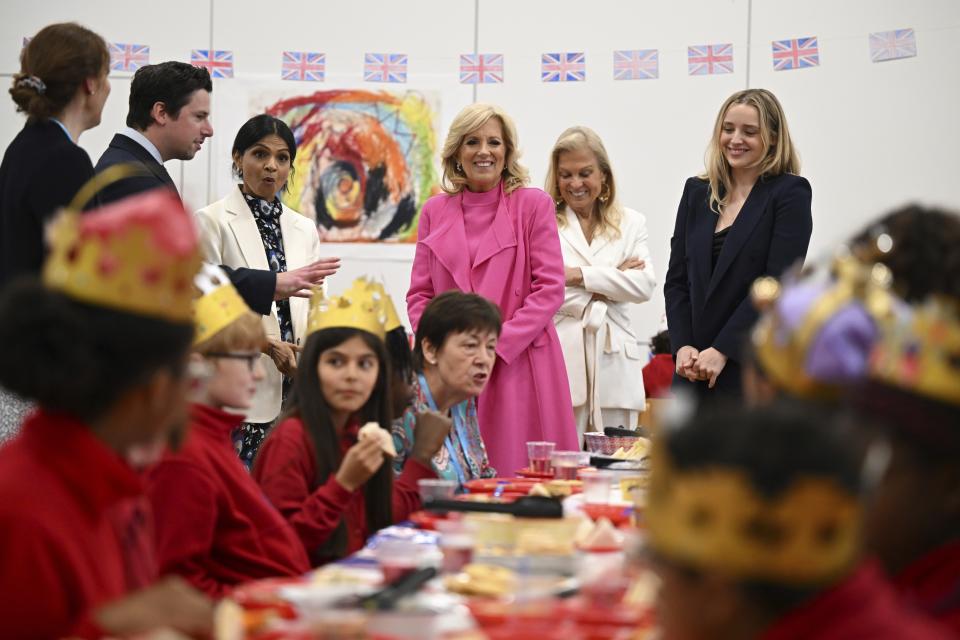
607 268
252 228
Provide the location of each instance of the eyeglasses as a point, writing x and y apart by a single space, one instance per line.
251 358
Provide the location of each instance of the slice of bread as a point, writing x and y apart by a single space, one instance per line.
383 437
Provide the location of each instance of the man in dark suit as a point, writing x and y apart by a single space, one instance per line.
169 119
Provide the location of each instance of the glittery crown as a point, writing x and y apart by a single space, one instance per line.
138 255
920 352
357 312
815 333
712 518
218 305
377 293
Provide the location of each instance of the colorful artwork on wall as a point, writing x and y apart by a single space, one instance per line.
365 161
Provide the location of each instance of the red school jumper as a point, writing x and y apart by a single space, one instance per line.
214 525
863 605
932 585
286 469
74 530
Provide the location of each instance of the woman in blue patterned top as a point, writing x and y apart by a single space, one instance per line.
453 357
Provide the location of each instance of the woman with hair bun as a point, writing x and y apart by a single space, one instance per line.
62 87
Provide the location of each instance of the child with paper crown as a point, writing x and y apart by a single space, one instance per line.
213 525
101 347
324 473
754 522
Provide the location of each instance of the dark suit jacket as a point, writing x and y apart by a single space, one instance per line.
42 170
713 308
254 285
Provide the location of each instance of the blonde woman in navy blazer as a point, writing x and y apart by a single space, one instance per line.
746 217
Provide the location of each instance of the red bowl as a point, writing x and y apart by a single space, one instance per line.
617 514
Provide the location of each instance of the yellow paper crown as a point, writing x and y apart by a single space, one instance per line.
782 350
218 305
921 352
359 312
712 519
364 287
138 255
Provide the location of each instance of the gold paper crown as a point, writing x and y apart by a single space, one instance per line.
921 352
782 351
359 312
363 287
713 519
218 305
138 255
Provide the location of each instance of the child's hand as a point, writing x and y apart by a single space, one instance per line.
169 603
428 436
359 464
284 355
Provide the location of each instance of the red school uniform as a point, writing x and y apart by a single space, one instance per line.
287 470
214 526
658 376
863 605
932 585
74 530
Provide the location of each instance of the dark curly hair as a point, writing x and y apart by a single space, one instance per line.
924 257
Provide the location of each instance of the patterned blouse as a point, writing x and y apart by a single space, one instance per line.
463 456
267 215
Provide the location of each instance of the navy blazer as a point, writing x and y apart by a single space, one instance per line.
255 286
712 308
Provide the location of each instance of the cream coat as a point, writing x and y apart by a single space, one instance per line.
618 356
229 236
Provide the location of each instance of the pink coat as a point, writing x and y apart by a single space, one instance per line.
519 267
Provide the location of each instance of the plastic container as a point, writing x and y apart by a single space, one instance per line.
539 456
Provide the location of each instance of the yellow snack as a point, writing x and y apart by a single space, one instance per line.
482 580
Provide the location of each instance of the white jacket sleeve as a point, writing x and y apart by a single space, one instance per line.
632 285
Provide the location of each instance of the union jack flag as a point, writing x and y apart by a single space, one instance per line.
219 63
303 65
128 57
710 59
798 53
481 68
893 45
638 64
385 67
563 67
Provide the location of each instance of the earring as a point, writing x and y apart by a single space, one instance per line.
558 202
459 169
239 172
604 194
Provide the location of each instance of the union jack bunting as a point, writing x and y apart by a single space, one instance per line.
128 57
710 59
563 67
798 53
303 65
893 45
481 68
218 63
385 67
639 64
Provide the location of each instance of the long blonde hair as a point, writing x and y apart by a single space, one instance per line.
468 120
774 135
609 213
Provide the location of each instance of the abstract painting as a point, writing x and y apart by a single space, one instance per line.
365 161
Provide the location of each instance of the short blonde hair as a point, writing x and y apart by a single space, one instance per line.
468 120
781 156
609 213
246 332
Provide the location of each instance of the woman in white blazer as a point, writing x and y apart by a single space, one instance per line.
252 228
607 267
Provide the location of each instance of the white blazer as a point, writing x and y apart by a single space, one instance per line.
614 379
229 236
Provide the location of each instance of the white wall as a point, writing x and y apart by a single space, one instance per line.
871 136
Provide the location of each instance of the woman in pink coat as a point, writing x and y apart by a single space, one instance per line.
492 236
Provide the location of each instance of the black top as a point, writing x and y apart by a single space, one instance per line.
255 286
718 238
42 170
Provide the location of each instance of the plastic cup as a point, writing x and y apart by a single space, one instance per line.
397 558
436 489
596 486
456 545
539 456
566 463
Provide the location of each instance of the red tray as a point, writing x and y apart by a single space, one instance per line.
489 485
527 472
